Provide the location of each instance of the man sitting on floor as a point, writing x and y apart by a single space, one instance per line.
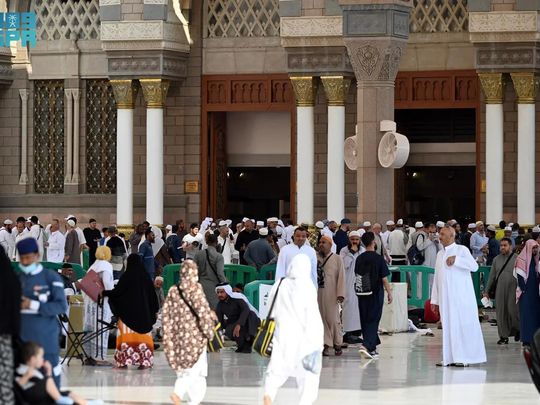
237 318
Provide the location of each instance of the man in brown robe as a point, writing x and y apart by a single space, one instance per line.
502 270
331 280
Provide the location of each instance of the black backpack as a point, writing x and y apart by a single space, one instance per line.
415 256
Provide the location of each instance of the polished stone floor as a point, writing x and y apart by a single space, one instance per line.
404 374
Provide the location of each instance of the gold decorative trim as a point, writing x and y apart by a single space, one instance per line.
126 229
305 88
154 92
526 86
125 93
493 86
336 89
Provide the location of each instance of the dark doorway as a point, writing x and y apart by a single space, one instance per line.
439 193
258 192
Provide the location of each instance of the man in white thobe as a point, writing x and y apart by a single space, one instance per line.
453 296
351 313
290 251
56 243
36 232
7 238
225 242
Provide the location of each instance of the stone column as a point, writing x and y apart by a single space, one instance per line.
69 136
23 179
76 134
493 86
125 93
305 88
336 88
526 86
155 93
375 36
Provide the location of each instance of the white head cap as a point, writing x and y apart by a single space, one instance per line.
400 222
71 222
452 222
354 233
471 226
319 224
390 223
419 224
8 222
366 224
245 219
223 223
260 223
440 224
508 228
536 229
168 227
263 231
491 228
272 219
228 222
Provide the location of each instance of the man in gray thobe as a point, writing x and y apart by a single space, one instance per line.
505 296
211 269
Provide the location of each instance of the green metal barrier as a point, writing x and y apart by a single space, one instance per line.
416 299
86 259
480 279
238 273
251 291
171 276
268 272
77 268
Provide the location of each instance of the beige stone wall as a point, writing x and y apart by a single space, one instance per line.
503 5
313 7
132 10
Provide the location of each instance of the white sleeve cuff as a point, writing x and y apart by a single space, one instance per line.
34 305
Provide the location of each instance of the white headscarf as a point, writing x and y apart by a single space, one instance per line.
158 242
238 296
299 328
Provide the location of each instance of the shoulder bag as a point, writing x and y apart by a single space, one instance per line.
214 344
493 289
320 271
262 343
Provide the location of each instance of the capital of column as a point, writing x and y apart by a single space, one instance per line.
305 88
526 85
493 87
336 89
154 92
125 93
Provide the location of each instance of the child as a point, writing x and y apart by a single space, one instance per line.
35 383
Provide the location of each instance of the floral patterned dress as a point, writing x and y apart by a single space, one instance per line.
133 348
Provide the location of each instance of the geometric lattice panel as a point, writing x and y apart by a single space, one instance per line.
100 138
242 18
66 19
429 16
49 136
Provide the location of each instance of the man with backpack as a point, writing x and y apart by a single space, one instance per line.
419 239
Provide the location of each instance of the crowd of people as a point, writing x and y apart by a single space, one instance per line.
348 268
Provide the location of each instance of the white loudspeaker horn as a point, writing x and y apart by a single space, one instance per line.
394 150
350 150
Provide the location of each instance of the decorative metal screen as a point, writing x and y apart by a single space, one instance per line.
66 19
49 136
439 16
100 138
242 18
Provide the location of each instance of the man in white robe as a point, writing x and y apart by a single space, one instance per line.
453 296
350 315
298 246
7 238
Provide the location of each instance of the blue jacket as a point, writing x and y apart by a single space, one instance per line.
147 254
40 323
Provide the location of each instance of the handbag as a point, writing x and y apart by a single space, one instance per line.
214 344
493 289
92 285
320 272
262 343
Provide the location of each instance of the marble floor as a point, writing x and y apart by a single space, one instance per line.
404 374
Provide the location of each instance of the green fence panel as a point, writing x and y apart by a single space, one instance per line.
77 268
86 259
251 291
238 273
419 291
171 276
268 272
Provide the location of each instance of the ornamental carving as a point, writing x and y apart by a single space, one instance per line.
505 57
493 87
125 93
494 21
312 26
377 59
368 56
305 88
155 92
336 89
526 86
